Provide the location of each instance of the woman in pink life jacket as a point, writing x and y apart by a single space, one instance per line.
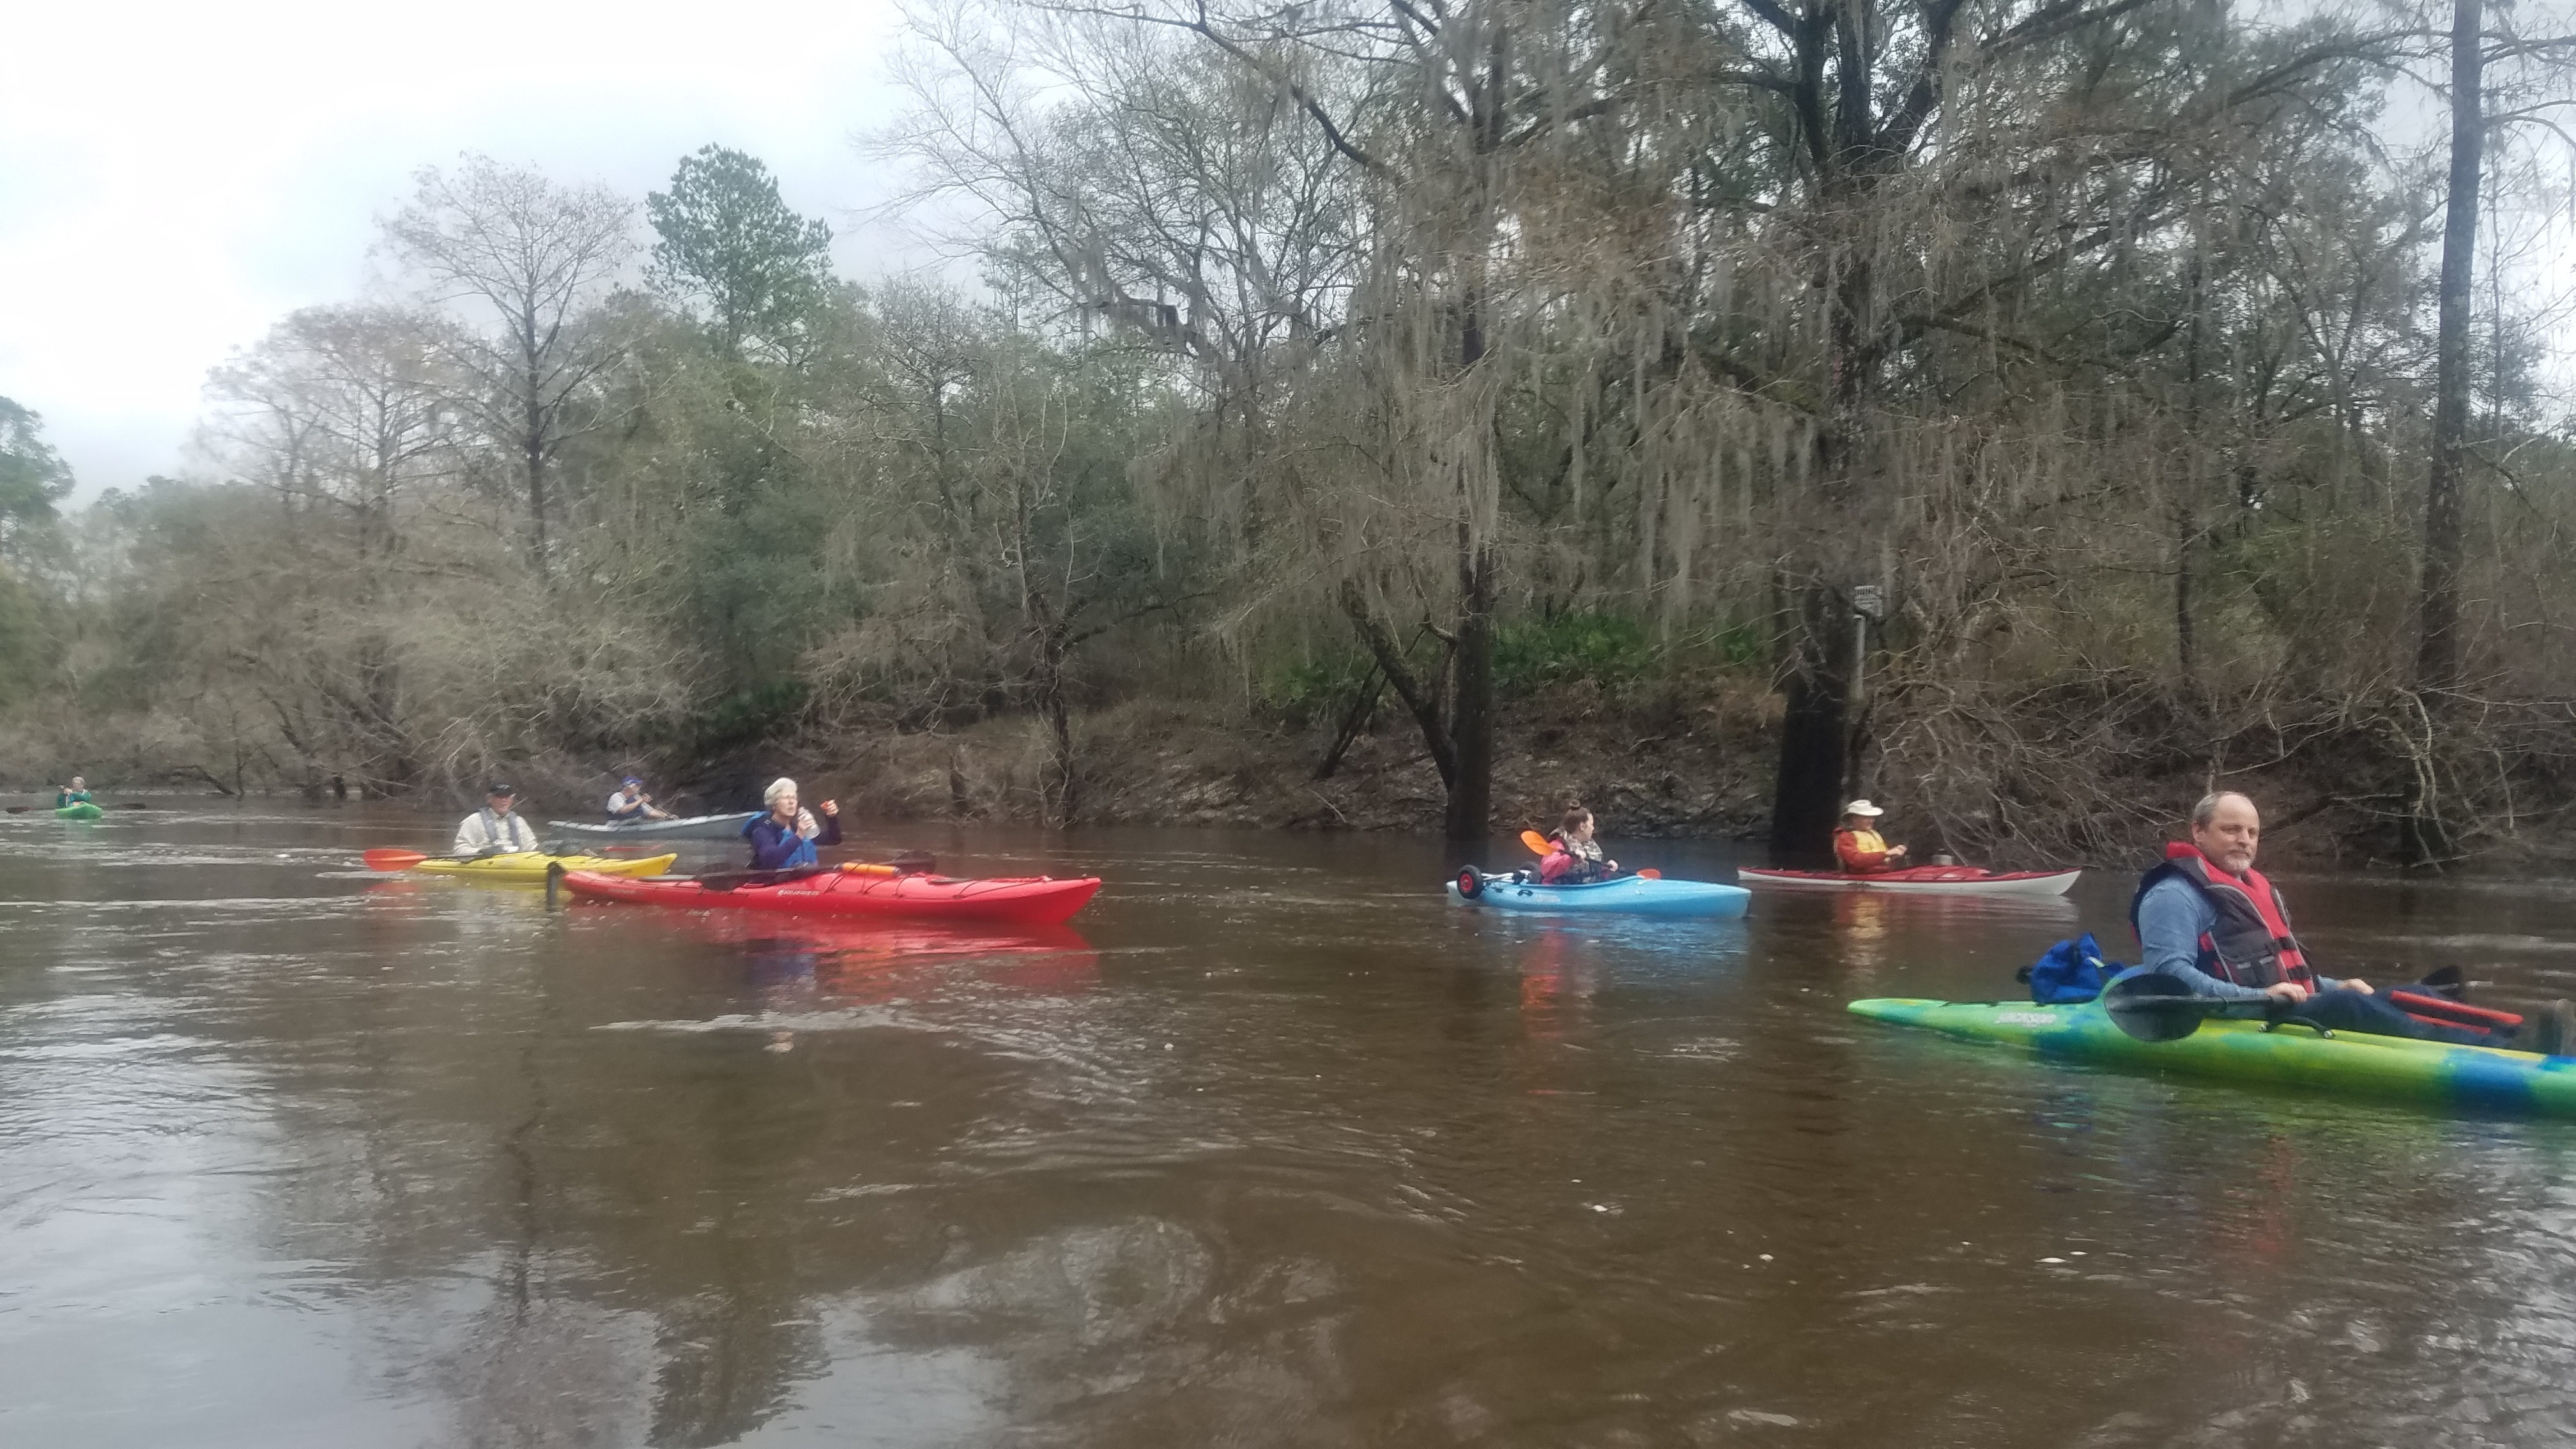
1577 858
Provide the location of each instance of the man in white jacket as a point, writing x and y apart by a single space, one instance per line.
496 828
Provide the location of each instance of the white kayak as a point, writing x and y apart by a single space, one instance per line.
693 827
1921 880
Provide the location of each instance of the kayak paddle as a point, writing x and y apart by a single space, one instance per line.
2157 1008
1538 845
392 859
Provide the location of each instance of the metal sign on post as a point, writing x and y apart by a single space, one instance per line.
1866 600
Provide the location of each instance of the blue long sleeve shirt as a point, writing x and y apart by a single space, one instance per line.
2172 917
779 847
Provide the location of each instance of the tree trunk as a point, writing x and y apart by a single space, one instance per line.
1424 706
2437 657
534 445
1471 712
1356 718
2424 838
1805 797
2186 658
1058 795
1815 722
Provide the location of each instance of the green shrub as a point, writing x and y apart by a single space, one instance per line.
1536 654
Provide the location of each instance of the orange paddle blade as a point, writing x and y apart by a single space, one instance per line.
1650 875
393 859
1537 843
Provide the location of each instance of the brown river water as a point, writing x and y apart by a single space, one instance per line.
1273 1147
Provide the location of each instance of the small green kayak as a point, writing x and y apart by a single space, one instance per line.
82 811
2482 1079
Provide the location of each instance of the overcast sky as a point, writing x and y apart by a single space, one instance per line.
175 177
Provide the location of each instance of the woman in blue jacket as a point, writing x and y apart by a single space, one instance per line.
788 837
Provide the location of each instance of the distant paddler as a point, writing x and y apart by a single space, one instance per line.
631 806
787 836
1858 847
75 793
497 828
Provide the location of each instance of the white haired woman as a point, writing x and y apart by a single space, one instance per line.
788 836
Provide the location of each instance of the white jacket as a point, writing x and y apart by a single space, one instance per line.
484 831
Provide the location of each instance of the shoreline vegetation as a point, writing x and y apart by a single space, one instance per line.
2028 413
1658 777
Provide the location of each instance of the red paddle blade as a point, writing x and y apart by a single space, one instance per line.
393 859
1650 875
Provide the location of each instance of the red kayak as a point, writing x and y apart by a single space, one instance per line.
1922 880
1023 900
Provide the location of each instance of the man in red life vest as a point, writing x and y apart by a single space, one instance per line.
2206 917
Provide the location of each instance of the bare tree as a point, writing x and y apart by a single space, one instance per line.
537 258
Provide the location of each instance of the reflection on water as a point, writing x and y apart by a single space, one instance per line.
1273 1147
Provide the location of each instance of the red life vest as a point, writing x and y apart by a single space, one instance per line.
2252 944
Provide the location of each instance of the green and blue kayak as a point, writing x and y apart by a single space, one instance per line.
82 811
2479 1079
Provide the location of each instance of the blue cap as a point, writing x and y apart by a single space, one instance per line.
633 780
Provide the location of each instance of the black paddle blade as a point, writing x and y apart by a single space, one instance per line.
2151 1007
2446 981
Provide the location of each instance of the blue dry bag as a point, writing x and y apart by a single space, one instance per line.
2071 972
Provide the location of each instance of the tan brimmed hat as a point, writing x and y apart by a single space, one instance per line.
1862 807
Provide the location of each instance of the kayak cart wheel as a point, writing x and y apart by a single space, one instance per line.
1471 883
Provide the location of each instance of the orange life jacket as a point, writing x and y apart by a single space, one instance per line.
1860 852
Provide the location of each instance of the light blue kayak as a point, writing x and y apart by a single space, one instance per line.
1629 895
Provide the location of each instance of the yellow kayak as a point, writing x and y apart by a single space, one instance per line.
528 867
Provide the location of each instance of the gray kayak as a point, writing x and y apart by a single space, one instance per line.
693 827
